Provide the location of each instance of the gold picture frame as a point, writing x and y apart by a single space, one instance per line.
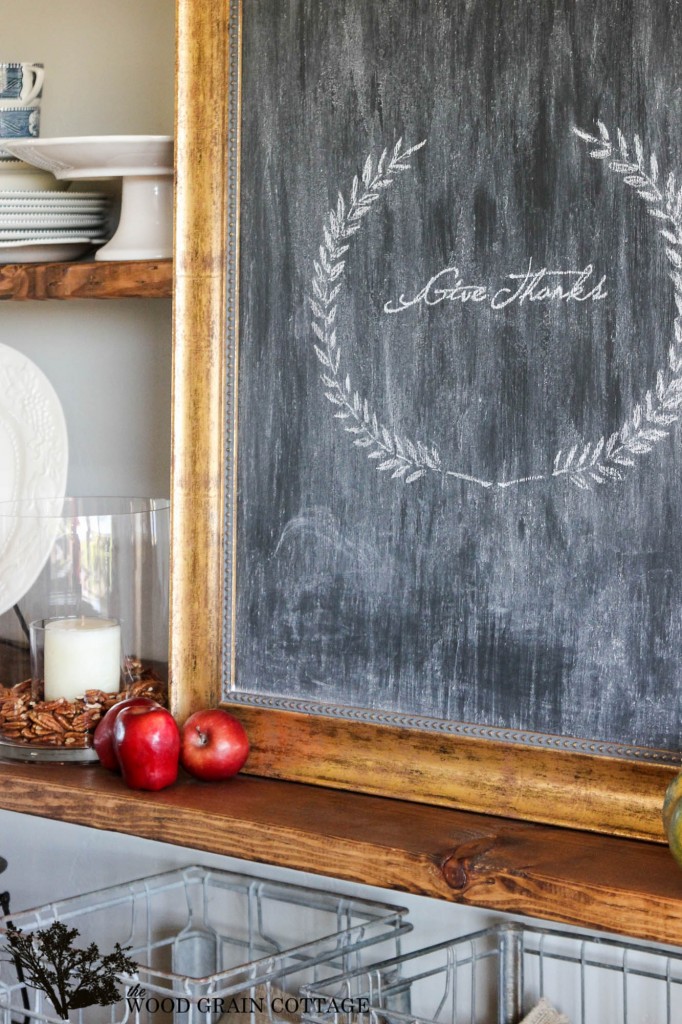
534 779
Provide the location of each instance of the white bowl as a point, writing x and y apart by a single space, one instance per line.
44 250
97 156
17 174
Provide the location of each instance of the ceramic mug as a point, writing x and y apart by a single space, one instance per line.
19 122
21 84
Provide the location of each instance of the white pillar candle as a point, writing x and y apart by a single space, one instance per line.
82 654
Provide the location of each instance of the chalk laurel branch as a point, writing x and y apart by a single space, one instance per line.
583 464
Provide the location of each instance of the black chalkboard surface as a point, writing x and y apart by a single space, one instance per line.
459 373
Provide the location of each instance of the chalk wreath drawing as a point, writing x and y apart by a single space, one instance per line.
582 464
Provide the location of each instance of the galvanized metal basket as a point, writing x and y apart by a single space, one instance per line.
500 974
208 944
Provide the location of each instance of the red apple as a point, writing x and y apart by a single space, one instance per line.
103 739
214 745
147 745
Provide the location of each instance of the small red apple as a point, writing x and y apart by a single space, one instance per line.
214 745
147 745
103 738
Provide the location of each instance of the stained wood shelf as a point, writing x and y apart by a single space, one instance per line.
150 279
621 885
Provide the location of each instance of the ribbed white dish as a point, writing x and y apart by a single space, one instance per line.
97 156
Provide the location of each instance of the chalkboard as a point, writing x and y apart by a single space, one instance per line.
458 373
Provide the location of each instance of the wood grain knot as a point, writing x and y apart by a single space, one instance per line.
455 873
460 866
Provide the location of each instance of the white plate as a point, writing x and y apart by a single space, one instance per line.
30 213
34 459
42 221
46 238
46 250
70 234
16 195
56 204
32 209
28 209
97 156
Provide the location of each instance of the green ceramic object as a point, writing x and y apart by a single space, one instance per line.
672 817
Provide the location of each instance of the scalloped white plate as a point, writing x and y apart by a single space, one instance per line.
37 209
44 220
22 204
15 195
33 234
34 458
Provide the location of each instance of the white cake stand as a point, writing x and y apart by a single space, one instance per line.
145 165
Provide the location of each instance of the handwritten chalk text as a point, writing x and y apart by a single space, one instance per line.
532 285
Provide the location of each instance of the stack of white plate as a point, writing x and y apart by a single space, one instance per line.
41 226
144 163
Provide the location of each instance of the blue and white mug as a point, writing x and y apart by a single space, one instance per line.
21 83
19 122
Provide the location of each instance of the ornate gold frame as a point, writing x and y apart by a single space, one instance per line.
545 782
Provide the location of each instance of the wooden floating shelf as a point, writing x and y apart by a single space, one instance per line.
602 882
146 279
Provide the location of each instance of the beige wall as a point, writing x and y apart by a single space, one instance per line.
109 67
108 63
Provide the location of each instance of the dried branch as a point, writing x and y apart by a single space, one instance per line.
70 977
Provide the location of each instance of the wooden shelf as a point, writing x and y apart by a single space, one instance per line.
620 885
147 279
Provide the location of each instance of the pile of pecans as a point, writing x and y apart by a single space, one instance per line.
69 723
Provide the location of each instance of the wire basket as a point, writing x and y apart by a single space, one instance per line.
209 945
499 975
